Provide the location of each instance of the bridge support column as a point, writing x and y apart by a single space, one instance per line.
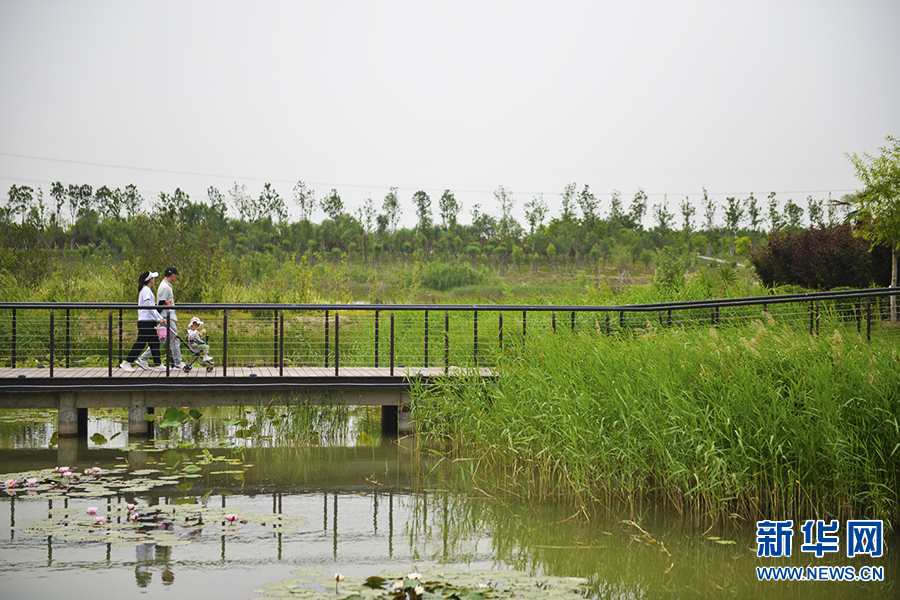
405 421
70 420
137 424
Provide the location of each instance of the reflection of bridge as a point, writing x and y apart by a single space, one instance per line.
358 503
65 356
75 390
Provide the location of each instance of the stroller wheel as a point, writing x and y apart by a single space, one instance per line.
187 368
209 369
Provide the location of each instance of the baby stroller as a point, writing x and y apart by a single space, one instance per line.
197 354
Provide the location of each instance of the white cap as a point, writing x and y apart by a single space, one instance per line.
196 320
152 275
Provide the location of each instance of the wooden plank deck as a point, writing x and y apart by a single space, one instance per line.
9 375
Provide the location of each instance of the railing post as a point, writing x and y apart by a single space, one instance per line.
168 342
869 319
225 342
392 343
659 318
109 341
812 313
500 325
475 338
275 336
524 321
52 343
446 341
376 338
817 317
281 344
67 337
14 337
120 335
858 316
337 337
426 339
326 339
573 321
553 321
607 322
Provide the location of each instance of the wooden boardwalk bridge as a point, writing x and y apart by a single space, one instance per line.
65 356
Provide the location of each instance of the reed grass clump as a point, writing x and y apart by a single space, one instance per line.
757 421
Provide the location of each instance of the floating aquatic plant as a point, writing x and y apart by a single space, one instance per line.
438 583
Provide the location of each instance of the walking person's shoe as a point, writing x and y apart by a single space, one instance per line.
125 365
142 364
180 366
206 358
159 368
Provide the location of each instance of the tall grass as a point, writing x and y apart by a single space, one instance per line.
748 421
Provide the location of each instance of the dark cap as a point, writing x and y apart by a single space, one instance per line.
171 271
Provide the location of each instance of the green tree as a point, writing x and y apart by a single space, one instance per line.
793 215
535 211
816 212
615 209
588 203
305 199
663 219
775 221
877 205
270 204
332 205
638 208
687 213
754 213
568 200
507 228
132 200
391 207
449 208
709 217
734 213
423 211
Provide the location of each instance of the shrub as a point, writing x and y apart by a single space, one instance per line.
821 259
446 276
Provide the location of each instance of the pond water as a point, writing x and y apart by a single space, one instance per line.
252 512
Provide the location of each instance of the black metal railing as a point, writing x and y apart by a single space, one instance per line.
336 336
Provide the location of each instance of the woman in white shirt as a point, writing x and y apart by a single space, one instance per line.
148 317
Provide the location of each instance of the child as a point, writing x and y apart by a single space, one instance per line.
195 339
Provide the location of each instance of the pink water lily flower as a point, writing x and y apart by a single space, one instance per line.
61 469
11 483
100 520
132 517
69 474
91 510
129 506
87 471
231 518
31 481
96 469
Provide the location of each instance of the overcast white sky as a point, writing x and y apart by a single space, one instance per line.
736 97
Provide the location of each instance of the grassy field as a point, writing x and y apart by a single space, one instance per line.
753 421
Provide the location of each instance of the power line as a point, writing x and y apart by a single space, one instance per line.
355 185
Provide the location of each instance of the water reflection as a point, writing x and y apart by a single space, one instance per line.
364 508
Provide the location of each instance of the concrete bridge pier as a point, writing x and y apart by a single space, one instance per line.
71 421
138 426
396 419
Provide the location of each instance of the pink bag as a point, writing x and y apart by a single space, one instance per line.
162 332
